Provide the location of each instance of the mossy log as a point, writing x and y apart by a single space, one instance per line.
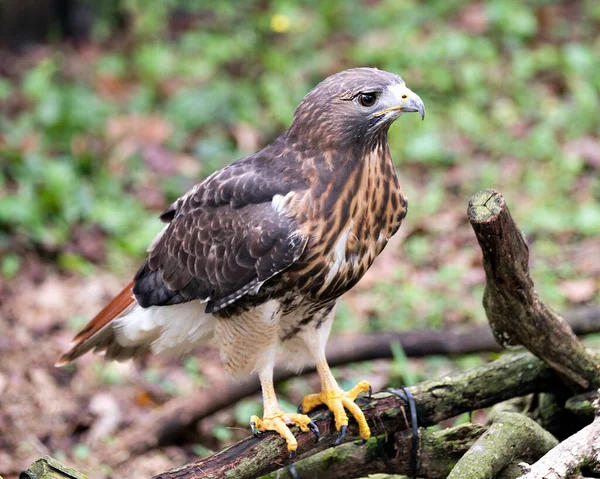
583 405
49 468
563 415
516 313
510 435
438 451
168 424
511 376
582 448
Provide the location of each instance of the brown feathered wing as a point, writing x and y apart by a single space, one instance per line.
223 241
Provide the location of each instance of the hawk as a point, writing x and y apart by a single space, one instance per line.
261 251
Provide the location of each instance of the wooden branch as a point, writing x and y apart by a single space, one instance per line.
582 448
169 423
516 313
49 468
550 414
582 405
510 435
513 375
562 415
437 453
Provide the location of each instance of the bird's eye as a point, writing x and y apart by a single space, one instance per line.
367 99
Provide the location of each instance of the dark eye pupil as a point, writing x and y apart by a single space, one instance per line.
367 99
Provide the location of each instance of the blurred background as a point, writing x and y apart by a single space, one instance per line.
110 110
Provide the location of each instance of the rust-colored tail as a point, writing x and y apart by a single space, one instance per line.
89 336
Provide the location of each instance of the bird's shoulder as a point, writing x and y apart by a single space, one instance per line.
276 170
227 235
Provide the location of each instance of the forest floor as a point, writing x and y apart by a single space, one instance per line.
96 139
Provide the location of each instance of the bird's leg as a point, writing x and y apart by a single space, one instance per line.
274 419
338 401
331 395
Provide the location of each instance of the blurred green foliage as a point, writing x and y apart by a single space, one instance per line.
96 139
504 81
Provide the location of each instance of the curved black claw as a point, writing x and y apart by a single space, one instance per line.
370 392
255 432
341 436
291 467
300 410
362 442
315 430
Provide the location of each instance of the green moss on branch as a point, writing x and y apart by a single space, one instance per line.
438 452
510 435
49 468
511 376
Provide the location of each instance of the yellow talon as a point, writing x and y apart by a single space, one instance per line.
278 422
338 402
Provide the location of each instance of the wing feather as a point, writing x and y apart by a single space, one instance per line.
224 237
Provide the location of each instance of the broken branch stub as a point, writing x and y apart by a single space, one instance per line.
49 468
516 313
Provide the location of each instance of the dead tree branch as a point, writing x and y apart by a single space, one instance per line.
516 313
582 405
180 415
517 316
49 468
510 435
438 452
513 375
581 448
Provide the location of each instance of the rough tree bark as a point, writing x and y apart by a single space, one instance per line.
510 434
438 452
513 375
582 405
517 316
179 416
516 313
49 468
559 463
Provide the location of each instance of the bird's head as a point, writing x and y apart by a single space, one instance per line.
353 108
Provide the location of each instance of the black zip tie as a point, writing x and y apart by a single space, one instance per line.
290 467
408 398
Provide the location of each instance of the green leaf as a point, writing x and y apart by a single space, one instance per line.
401 365
155 62
587 219
6 89
76 263
38 81
246 409
201 451
222 433
10 265
81 452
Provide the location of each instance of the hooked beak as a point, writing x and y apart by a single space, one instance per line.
414 104
409 102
